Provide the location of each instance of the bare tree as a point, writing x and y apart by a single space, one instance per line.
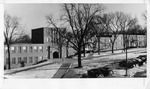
145 15
126 24
11 30
79 18
100 28
112 26
145 28
23 38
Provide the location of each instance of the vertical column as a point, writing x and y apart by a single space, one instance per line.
48 52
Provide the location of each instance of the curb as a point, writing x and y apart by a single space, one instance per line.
111 54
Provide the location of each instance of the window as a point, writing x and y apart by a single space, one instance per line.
36 59
13 60
19 60
6 49
24 49
13 49
19 49
31 49
25 59
40 48
35 49
40 58
6 60
47 40
121 37
30 60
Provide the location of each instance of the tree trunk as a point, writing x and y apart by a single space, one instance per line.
9 64
84 50
136 41
67 50
112 48
60 51
98 45
124 43
79 58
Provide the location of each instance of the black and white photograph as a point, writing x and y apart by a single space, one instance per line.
75 40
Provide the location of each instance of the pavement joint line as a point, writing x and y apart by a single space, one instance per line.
67 70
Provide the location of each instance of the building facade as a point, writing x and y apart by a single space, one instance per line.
134 41
44 46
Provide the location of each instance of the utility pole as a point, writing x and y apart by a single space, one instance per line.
126 40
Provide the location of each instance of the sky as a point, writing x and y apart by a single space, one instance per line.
33 15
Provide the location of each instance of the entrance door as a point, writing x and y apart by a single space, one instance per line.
55 54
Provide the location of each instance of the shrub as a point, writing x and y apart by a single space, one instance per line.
85 75
99 72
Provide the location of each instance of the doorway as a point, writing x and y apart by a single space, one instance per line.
55 54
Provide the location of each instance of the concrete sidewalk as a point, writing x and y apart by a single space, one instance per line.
62 70
16 70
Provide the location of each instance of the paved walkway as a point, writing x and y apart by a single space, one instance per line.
16 70
62 70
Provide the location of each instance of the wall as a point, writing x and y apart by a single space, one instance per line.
37 36
41 54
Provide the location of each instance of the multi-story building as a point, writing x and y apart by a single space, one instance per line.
44 46
29 53
105 42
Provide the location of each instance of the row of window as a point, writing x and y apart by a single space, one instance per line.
25 49
52 40
25 60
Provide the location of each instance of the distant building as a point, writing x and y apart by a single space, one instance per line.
134 41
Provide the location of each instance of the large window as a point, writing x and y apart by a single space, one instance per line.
13 50
30 60
25 49
6 49
40 48
35 59
31 49
40 58
6 60
47 40
19 49
19 60
13 60
35 49
25 59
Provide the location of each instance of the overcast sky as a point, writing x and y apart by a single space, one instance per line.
33 15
